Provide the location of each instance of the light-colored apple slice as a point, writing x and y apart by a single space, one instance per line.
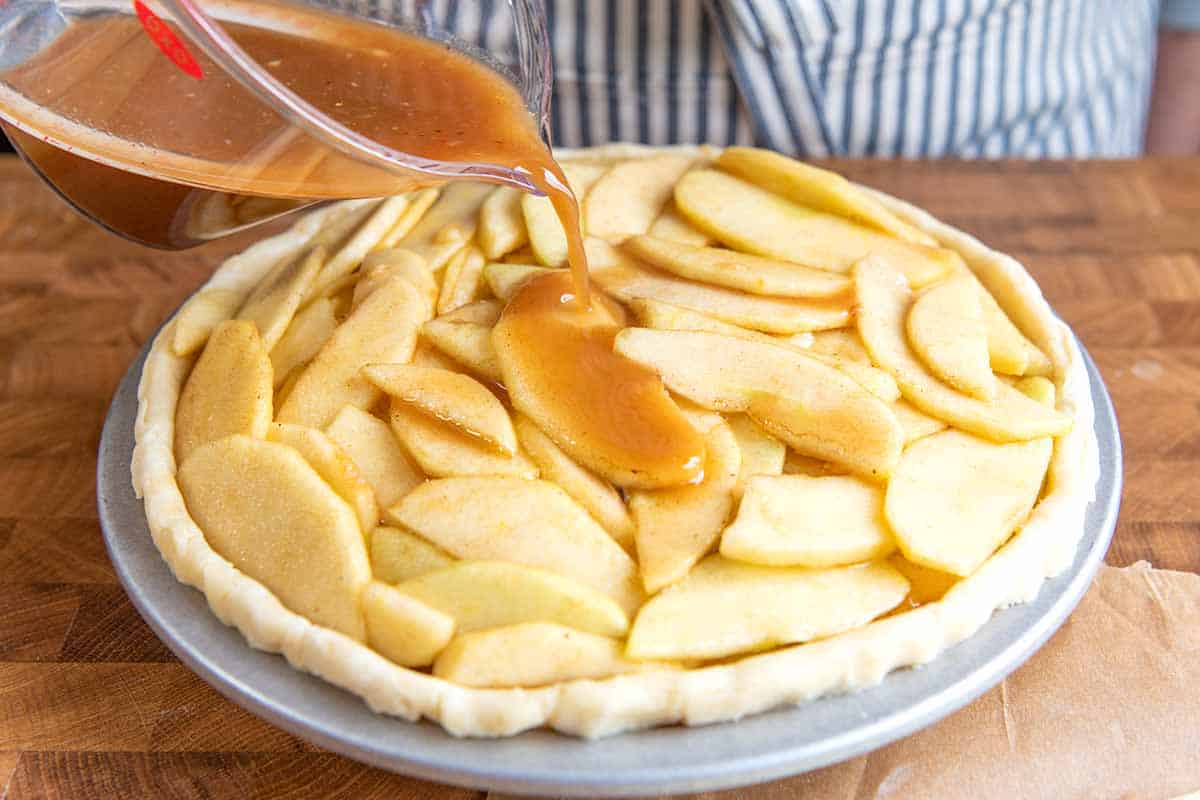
955 498
262 507
1010 351
753 220
674 228
946 330
228 391
491 594
843 344
883 302
925 585
199 316
468 343
419 202
451 397
596 495
762 453
398 555
795 520
505 279
308 332
810 406
734 270
606 412
452 218
628 280
527 522
546 236
429 357
403 628
334 466
676 527
816 188
442 450
531 655
480 312
345 256
462 281
274 301
502 223
376 453
1037 388
381 330
381 265
724 607
916 424
627 199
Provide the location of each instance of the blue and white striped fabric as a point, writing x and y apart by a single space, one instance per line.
912 78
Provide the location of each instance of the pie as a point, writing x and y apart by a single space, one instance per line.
803 435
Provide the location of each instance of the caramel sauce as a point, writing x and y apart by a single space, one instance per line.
604 410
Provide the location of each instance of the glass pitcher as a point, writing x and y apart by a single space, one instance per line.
172 122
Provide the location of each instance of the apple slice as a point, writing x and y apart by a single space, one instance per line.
676 527
381 265
373 448
810 406
383 329
262 507
443 450
505 279
955 498
946 329
796 464
546 236
200 316
795 520
463 280
723 608
843 344
450 397
1038 389
308 332
606 412
419 202
883 302
531 655
468 343
228 390
480 312
816 188
277 296
527 522
402 628
916 425
925 585
502 223
628 280
452 218
491 594
674 228
762 453
398 555
334 466
734 270
346 254
627 199
596 495
753 220
1010 351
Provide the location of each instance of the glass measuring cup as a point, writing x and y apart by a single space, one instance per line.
177 121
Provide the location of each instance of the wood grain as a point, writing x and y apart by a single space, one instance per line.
92 705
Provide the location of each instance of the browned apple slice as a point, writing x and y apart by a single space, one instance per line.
608 413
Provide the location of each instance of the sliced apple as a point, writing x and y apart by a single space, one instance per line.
262 507
753 220
1038 389
816 188
467 343
277 296
502 223
810 406
381 265
334 466
883 302
451 397
723 608
796 520
228 390
600 499
946 330
527 522
627 199
462 281
676 527
925 585
505 279
491 594
628 280
734 270
398 555
762 453
955 498
796 464
402 628
531 655
843 344
1010 351
419 202
916 424
674 228
443 450
451 219
381 330
606 412
346 256
308 332
480 312
546 236
199 316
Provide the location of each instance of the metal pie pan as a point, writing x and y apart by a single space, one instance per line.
668 760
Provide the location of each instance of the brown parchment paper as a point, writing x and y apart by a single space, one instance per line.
1109 708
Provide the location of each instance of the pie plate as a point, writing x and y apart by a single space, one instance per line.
659 761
